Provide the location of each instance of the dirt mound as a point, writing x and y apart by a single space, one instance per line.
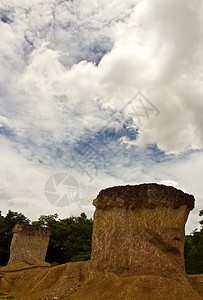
76 281
28 264
37 282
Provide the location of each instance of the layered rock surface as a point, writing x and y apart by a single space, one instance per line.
137 253
140 230
29 242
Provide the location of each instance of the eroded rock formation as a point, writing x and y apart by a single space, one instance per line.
137 252
29 242
140 230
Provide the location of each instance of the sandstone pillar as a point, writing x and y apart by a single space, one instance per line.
29 242
140 230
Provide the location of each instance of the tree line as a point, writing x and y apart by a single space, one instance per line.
71 239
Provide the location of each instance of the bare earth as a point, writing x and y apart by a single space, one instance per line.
37 280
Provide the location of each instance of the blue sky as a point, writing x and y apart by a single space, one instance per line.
109 94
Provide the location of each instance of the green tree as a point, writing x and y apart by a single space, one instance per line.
70 239
194 250
201 222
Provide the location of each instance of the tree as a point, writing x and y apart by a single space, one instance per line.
194 250
70 239
47 221
201 222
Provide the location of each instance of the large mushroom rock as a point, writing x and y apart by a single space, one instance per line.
29 242
140 230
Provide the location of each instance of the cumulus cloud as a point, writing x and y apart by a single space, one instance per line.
69 72
159 52
156 50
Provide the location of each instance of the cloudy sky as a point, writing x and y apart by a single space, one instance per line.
96 94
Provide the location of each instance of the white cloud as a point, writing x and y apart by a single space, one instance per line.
159 52
67 67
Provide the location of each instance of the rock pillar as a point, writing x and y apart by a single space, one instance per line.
140 230
29 242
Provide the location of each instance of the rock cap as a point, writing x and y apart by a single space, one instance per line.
31 229
148 195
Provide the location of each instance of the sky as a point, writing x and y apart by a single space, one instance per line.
95 94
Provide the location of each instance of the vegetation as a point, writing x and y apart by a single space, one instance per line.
71 239
194 250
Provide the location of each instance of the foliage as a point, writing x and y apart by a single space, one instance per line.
71 239
201 222
194 250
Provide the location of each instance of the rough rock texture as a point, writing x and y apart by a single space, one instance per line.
71 281
149 195
35 282
138 241
143 287
139 230
29 242
196 282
